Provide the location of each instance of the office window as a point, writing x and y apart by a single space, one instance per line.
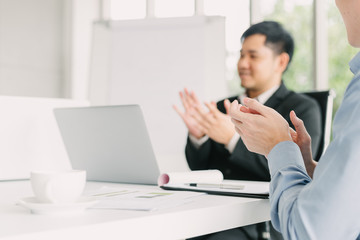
237 20
297 17
127 9
174 8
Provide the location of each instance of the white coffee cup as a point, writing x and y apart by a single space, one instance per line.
58 186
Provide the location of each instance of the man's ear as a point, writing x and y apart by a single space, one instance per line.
283 61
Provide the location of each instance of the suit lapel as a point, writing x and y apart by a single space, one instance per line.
278 97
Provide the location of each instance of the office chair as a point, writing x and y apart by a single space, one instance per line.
325 100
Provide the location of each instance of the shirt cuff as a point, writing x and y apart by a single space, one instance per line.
232 144
198 142
284 154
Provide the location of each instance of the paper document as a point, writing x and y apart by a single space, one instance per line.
201 176
139 199
212 182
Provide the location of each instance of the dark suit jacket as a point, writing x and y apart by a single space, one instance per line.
245 165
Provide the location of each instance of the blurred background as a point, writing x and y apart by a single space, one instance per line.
45 45
47 49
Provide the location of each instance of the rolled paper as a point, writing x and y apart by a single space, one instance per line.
199 176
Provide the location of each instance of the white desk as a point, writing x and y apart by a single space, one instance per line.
206 214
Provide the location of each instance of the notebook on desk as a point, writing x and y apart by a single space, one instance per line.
110 142
212 182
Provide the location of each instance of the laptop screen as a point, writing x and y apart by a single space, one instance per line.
110 142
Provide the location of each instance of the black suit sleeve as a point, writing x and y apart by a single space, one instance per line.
198 158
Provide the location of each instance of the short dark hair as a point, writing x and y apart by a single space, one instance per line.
277 38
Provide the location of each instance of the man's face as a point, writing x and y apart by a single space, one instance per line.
258 66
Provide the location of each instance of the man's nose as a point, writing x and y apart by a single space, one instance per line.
243 62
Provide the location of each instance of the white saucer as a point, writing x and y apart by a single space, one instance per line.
53 208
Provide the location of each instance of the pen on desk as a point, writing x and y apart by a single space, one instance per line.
221 186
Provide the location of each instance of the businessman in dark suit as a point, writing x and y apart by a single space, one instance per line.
267 49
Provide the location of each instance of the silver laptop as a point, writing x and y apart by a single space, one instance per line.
110 142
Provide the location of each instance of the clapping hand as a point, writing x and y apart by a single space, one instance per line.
260 127
190 103
302 138
208 121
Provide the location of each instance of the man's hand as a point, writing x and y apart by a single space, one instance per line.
260 127
190 103
215 124
201 121
302 138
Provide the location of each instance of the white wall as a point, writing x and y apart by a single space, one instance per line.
45 47
31 48
30 138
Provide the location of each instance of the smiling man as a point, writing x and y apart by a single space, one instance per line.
267 49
